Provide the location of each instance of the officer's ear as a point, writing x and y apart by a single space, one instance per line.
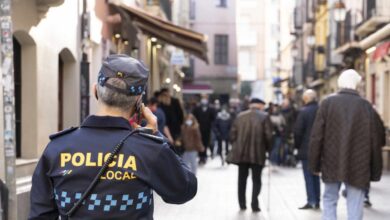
94 91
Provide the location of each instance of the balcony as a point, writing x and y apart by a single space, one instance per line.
347 42
375 14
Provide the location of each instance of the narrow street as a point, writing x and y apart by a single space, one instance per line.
217 197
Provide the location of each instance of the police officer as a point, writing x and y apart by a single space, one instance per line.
143 164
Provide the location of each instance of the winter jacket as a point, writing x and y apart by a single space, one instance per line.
191 138
302 130
251 137
174 116
346 140
278 123
205 116
290 115
222 125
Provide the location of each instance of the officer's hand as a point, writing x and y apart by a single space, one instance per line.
151 119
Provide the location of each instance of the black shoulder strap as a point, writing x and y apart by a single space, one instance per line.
66 131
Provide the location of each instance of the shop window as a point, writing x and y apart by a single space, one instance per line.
373 89
387 98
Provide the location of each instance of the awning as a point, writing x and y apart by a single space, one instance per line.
197 89
381 51
375 37
347 47
188 40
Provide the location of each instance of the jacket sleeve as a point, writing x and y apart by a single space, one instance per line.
42 199
234 131
163 118
299 130
317 140
378 139
199 146
268 133
171 178
215 127
179 111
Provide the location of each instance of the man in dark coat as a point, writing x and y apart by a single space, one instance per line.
302 131
251 137
205 115
173 112
345 146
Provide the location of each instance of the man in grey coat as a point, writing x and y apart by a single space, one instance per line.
251 137
345 146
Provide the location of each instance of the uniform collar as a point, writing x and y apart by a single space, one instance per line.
94 121
311 103
349 91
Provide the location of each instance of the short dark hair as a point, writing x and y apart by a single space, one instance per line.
156 94
164 90
152 101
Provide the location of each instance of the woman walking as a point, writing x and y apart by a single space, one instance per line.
192 141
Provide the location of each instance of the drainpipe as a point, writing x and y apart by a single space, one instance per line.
84 65
8 106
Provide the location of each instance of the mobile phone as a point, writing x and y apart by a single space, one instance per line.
138 110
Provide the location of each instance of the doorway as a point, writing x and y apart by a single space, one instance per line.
60 94
386 101
18 95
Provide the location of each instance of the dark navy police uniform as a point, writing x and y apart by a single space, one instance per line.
71 161
144 164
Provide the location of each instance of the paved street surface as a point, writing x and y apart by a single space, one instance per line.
217 197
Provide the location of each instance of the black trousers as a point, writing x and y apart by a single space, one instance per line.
243 172
220 142
206 144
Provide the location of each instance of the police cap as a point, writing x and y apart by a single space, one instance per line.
130 70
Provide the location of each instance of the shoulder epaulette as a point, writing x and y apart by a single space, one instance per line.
155 138
147 134
63 132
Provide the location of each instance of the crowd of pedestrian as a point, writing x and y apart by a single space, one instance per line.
339 139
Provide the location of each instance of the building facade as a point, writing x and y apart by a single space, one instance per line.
251 31
334 35
217 20
47 82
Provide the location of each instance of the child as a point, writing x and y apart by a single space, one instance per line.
192 141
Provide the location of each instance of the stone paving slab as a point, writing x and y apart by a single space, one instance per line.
217 197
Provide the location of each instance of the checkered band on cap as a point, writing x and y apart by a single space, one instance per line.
133 73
